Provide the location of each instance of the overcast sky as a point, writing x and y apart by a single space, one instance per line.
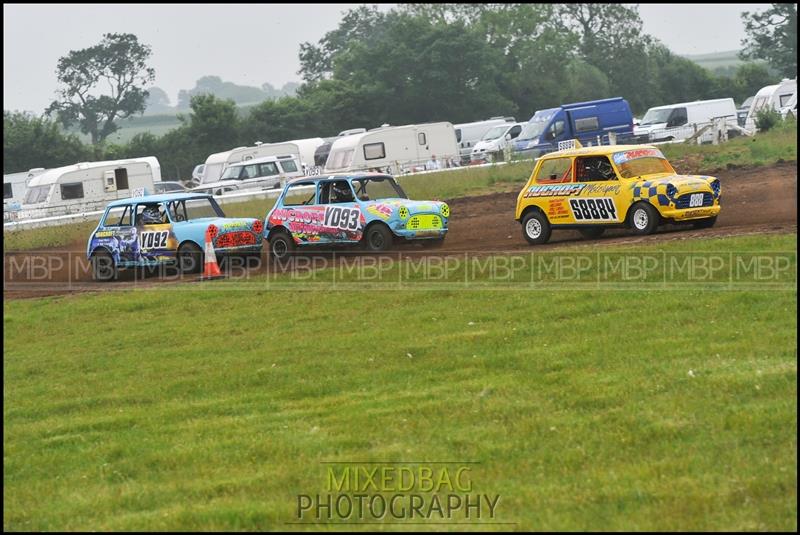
252 44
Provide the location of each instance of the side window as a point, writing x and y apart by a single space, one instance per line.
514 132
423 139
336 192
555 171
121 176
72 191
594 169
554 131
177 210
150 214
678 117
784 99
586 124
288 166
267 169
7 191
374 151
118 216
249 171
458 135
299 194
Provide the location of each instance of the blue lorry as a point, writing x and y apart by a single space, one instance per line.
584 121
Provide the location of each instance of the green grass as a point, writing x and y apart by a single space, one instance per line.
204 408
779 144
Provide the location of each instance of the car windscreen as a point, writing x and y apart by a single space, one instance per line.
536 125
231 173
494 133
638 162
378 187
656 116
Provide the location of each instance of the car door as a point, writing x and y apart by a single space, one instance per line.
598 197
156 240
342 217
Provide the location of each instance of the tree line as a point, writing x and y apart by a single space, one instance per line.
413 64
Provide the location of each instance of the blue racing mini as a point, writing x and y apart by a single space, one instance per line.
366 208
167 229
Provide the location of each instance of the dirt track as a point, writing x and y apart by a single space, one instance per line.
754 201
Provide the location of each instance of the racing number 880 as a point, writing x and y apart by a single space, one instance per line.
602 209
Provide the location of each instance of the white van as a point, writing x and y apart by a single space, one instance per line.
681 121
401 149
772 96
467 134
88 185
258 173
493 144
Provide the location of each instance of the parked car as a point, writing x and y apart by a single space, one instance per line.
468 134
166 229
681 121
493 144
367 208
270 172
595 188
585 121
168 187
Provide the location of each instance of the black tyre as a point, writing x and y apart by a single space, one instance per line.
536 228
103 267
377 238
643 218
190 258
591 233
281 245
705 223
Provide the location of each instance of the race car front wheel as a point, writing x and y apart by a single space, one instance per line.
103 268
536 228
643 218
378 238
281 246
190 258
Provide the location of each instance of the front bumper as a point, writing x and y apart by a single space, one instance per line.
687 214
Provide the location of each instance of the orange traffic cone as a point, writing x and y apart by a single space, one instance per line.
210 269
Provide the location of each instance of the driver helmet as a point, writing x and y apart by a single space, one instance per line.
151 215
341 192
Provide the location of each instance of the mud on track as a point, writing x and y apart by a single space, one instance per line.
760 200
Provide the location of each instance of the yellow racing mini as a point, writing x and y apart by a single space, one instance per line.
594 188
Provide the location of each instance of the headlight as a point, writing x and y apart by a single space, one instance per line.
671 190
445 210
403 212
716 187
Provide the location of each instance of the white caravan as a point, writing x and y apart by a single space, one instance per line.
89 185
467 134
16 184
401 149
772 96
258 173
493 144
216 163
681 121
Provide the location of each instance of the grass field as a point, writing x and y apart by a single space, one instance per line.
594 409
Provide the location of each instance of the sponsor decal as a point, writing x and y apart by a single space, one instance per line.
554 190
236 239
622 157
235 224
557 209
594 209
383 211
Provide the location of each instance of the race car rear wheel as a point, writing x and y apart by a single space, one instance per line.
281 245
705 223
103 268
190 258
536 228
378 238
643 218
591 233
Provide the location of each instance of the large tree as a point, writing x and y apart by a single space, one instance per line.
103 84
772 35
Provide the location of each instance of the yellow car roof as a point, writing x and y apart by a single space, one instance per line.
595 151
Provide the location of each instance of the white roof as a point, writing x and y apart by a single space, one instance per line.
264 159
713 100
346 142
51 176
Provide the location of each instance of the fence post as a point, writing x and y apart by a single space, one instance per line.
612 138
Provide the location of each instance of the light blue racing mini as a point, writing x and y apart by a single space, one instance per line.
167 229
367 208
